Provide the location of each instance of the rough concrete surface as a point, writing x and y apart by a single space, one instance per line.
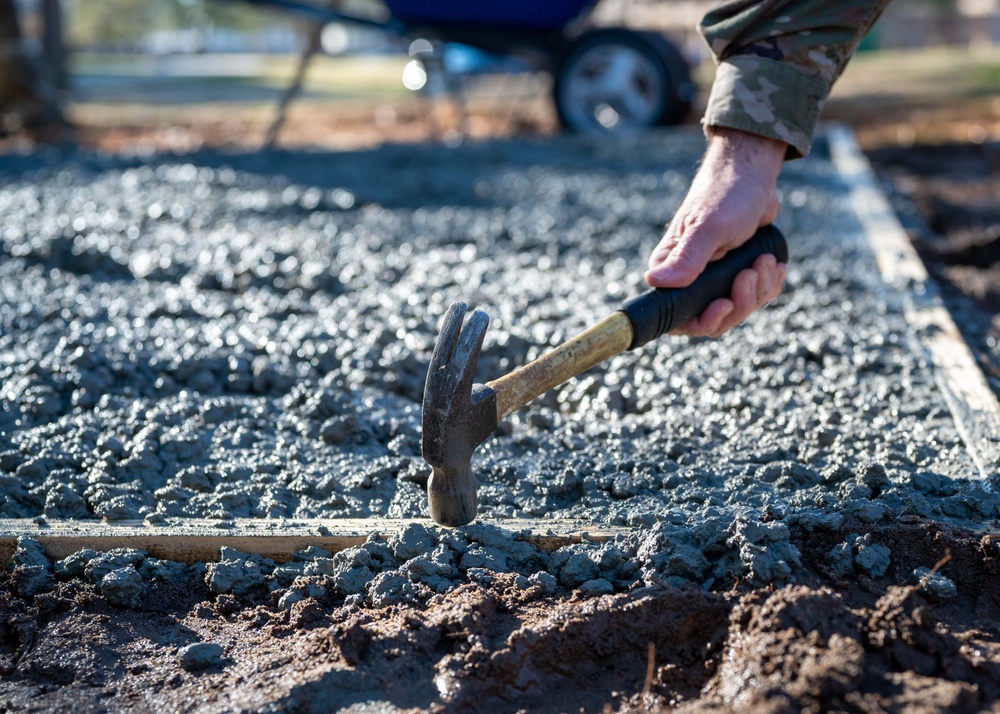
225 336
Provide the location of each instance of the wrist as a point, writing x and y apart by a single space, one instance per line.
743 150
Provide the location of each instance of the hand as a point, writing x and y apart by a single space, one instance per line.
732 195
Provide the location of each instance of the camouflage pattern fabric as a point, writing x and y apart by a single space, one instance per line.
778 60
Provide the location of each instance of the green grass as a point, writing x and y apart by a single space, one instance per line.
987 76
365 77
928 75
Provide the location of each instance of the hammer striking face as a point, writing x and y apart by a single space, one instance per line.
457 416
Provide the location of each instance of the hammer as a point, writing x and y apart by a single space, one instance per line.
459 415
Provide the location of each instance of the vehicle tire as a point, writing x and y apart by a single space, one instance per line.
618 80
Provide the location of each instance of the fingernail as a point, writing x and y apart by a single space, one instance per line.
660 274
752 284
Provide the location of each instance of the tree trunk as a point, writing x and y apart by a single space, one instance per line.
11 84
54 44
29 99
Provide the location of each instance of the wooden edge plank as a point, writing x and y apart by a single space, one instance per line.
972 403
196 540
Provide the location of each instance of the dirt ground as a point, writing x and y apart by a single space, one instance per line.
821 644
824 643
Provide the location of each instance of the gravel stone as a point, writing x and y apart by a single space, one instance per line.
481 576
98 567
390 588
380 553
687 562
168 571
74 565
841 559
34 580
412 541
313 552
597 586
871 558
200 656
434 573
546 581
291 597
29 552
578 569
352 581
352 558
486 557
819 520
236 572
935 585
122 587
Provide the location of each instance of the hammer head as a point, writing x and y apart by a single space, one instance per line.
457 416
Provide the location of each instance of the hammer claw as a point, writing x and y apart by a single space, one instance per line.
447 338
453 363
462 368
457 415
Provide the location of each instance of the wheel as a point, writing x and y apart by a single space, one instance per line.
617 80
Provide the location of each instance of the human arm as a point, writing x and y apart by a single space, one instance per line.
778 60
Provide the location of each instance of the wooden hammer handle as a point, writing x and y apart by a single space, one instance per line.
641 319
609 337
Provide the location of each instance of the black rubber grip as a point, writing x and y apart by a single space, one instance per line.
660 310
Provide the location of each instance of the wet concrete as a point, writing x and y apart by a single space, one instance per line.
246 336
224 336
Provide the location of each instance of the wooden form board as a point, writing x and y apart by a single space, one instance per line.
191 540
973 405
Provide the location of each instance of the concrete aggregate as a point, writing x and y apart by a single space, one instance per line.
200 655
935 585
123 587
224 336
102 564
869 558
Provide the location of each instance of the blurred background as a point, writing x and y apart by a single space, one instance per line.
176 75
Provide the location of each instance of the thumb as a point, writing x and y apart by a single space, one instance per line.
682 263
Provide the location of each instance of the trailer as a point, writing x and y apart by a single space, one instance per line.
605 79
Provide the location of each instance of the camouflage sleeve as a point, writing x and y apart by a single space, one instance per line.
778 60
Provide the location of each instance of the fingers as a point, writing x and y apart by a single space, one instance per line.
709 321
752 289
676 262
744 297
771 278
733 192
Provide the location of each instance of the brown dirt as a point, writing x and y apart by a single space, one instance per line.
346 125
822 644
